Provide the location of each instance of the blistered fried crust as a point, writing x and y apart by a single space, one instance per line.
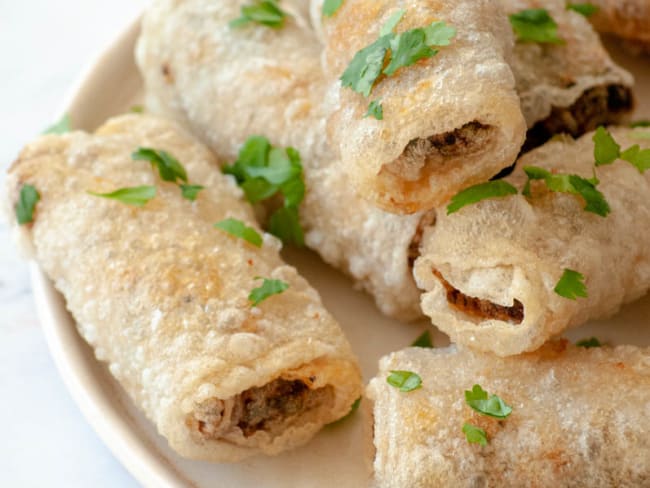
230 84
551 78
579 419
162 296
448 122
629 19
488 272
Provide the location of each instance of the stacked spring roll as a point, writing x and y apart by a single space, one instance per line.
163 296
490 270
579 418
572 86
627 19
241 82
449 121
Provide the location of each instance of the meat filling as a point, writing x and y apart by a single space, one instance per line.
421 155
427 220
601 105
479 308
259 408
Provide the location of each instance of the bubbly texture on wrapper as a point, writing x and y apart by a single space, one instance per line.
163 296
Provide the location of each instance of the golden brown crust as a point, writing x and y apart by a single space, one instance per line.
579 419
629 19
162 296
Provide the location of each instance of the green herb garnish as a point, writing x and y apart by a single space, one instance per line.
61 127
477 193
26 204
263 171
493 406
589 343
607 150
268 289
168 166
239 229
586 9
137 109
190 192
375 110
573 184
405 49
392 22
263 12
639 158
535 25
475 435
571 285
640 123
404 380
331 6
136 196
424 340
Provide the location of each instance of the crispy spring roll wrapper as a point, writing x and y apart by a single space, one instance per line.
579 418
572 87
237 83
162 296
449 121
489 271
628 19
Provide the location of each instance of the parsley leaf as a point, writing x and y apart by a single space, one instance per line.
535 25
239 229
640 123
586 9
263 171
26 204
168 166
364 69
268 289
493 406
136 196
331 6
571 285
191 192
137 109
375 110
475 435
573 184
404 380
263 12
589 343
407 49
482 191
424 340
391 23
639 158
61 127
606 149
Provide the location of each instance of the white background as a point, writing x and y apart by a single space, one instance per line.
44 440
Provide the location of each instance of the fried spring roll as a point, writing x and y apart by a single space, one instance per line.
579 418
449 121
628 19
162 296
490 270
237 83
571 87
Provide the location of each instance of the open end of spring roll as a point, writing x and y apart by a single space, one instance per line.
568 87
448 121
578 418
164 297
489 271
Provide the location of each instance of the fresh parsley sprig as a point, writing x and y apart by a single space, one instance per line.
589 343
376 110
239 229
405 381
475 435
586 9
263 12
493 406
137 196
330 7
27 200
266 290
607 150
571 285
169 169
535 25
477 193
394 51
61 127
264 171
424 340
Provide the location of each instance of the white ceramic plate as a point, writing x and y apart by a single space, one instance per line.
336 456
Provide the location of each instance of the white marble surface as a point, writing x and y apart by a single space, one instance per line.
45 442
